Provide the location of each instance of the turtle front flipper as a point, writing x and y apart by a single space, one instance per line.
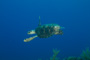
31 32
29 39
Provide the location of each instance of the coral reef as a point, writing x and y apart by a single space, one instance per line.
73 58
84 56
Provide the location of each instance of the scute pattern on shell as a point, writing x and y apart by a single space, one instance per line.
45 31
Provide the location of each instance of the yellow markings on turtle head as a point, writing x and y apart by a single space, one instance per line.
29 39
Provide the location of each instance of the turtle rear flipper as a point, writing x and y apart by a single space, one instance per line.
29 39
39 21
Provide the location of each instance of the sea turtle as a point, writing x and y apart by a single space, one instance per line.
45 31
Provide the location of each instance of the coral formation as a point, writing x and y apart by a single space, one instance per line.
84 56
73 58
55 53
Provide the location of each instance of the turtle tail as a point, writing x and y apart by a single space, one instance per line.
29 39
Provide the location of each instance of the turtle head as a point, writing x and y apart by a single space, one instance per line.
31 32
58 31
56 28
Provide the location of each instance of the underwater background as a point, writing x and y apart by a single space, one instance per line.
17 17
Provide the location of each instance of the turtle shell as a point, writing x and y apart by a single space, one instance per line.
45 31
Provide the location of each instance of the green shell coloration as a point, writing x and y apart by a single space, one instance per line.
45 31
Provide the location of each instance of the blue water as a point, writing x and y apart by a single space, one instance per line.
17 17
